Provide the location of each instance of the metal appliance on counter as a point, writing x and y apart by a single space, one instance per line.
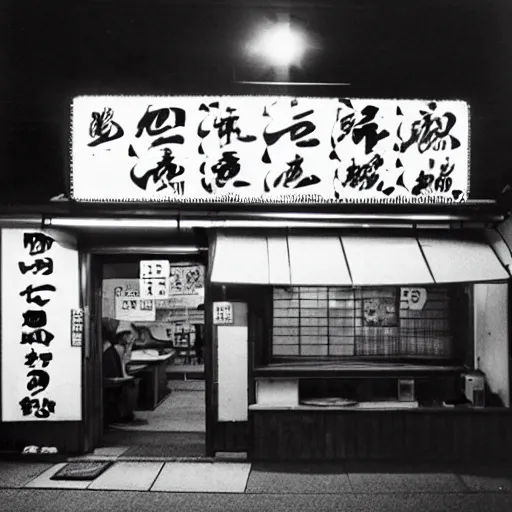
473 387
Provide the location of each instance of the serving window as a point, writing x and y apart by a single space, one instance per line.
319 322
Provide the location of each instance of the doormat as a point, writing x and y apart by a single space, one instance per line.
82 470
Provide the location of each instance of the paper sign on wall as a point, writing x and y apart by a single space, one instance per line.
154 279
154 288
154 269
413 298
77 327
222 313
134 309
41 369
269 149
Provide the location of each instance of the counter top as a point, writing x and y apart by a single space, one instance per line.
341 369
147 356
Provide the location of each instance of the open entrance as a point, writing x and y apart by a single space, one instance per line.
152 339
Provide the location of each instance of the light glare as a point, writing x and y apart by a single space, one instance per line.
281 45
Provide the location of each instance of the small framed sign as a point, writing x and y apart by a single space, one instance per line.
77 327
222 313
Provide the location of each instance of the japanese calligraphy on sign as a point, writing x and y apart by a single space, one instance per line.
41 369
269 149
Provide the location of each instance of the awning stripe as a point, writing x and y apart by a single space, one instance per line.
457 260
317 261
279 265
385 260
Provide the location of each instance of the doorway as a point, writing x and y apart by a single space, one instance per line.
160 344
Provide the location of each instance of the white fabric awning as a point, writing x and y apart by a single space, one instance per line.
240 260
353 260
456 260
385 260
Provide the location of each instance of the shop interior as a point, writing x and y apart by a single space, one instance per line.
158 396
385 347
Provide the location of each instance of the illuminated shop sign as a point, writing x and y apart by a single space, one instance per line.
269 149
41 358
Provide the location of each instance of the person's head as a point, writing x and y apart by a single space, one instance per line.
125 334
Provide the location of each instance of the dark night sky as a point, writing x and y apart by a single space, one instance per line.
53 50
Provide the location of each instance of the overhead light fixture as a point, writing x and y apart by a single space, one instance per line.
280 45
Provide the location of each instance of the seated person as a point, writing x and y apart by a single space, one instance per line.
119 400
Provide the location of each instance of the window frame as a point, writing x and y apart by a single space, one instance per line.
456 356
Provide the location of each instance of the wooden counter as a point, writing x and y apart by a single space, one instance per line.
152 371
419 434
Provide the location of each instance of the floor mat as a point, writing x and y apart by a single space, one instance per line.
81 470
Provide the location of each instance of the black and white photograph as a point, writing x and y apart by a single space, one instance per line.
255 255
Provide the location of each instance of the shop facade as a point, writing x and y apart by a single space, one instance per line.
332 331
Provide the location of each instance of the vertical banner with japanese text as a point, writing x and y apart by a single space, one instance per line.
41 362
259 149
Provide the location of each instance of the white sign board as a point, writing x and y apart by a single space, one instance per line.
41 369
222 313
413 298
232 354
269 149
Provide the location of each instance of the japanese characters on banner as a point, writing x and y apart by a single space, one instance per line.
269 149
41 369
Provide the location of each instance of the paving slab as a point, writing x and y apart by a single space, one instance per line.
298 479
17 474
214 477
128 476
43 481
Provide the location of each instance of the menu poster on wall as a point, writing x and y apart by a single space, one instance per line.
269 149
186 280
379 312
41 369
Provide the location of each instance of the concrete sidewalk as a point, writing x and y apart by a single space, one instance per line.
267 479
